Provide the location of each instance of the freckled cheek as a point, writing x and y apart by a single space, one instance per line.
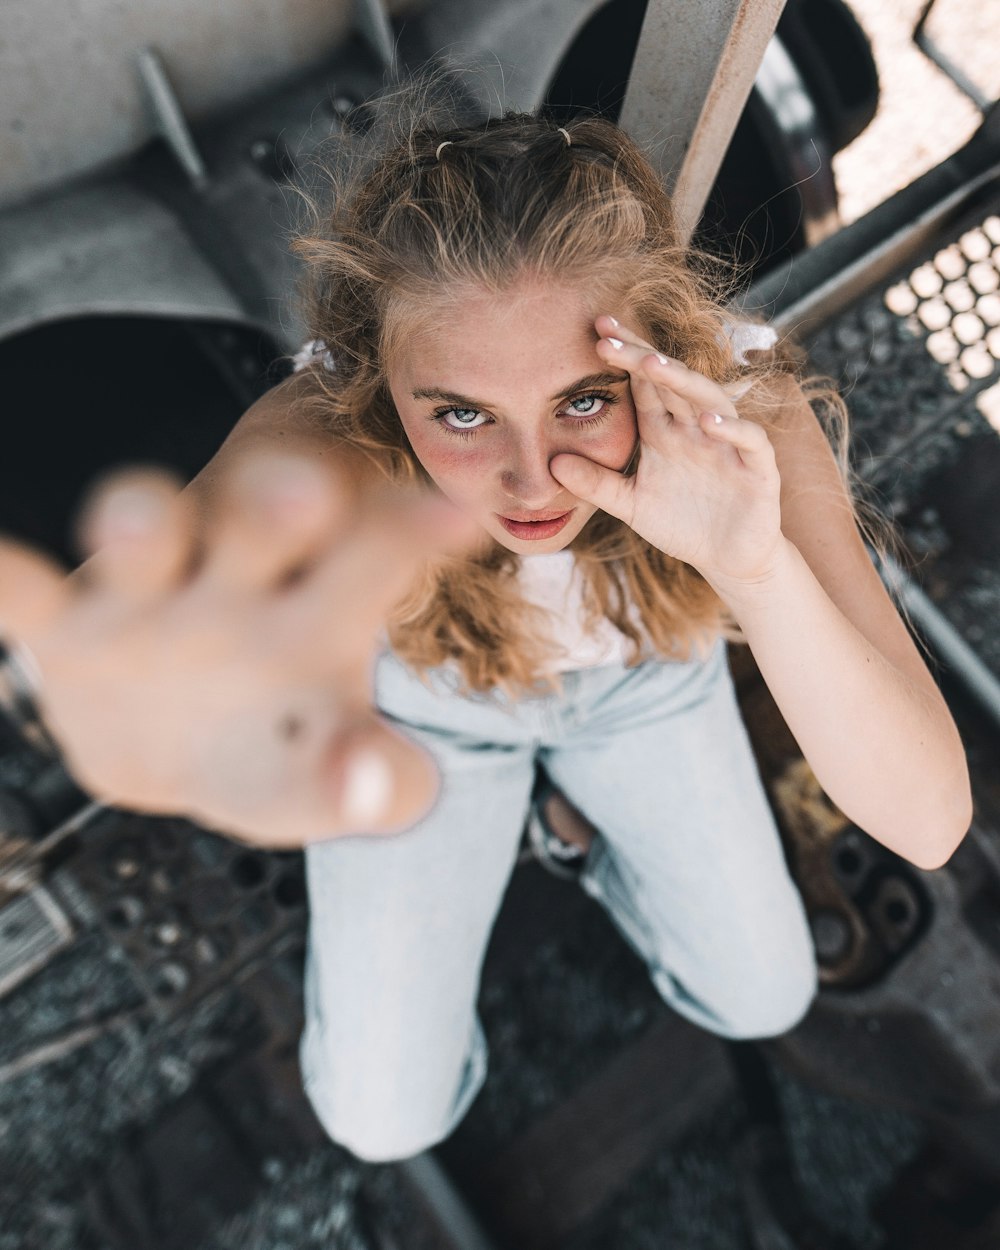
611 445
460 474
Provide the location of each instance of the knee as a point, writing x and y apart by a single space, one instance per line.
748 994
769 1000
378 1112
779 1008
368 1133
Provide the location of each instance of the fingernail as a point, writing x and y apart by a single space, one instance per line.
613 321
128 512
717 418
367 788
617 344
664 360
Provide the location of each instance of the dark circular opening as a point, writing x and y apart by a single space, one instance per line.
125 913
248 870
848 861
898 912
289 890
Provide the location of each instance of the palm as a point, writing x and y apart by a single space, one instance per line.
706 489
213 670
697 500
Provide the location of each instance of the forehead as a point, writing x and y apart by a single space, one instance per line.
534 330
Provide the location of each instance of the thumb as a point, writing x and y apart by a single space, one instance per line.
609 490
383 781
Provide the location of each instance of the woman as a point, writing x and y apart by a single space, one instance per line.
505 315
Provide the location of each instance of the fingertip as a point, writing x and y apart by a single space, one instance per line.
135 532
366 788
563 463
124 505
385 781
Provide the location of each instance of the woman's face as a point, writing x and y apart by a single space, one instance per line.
493 387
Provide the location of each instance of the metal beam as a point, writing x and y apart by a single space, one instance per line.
694 68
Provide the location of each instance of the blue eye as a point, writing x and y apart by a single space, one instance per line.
588 402
464 418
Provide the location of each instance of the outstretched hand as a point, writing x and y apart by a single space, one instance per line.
215 661
706 490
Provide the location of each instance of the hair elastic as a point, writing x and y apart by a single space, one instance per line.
566 135
437 152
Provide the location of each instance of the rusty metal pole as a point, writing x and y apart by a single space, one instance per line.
693 70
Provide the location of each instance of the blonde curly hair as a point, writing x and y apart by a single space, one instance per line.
506 199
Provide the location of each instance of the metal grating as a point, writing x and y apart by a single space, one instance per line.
955 299
33 930
189 908
917 361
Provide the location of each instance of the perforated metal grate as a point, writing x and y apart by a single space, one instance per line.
955 299
189 908
917 361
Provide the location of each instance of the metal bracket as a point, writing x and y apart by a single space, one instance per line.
693 71
945 64
168 117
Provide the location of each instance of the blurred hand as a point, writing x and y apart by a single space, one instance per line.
214 656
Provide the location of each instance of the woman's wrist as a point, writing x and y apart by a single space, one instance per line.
743 595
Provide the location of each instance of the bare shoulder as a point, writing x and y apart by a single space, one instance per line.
818 516
287 419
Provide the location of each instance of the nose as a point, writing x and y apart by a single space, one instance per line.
525 475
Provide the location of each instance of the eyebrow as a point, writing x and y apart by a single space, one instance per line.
591 381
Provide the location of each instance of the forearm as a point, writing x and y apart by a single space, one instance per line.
885 750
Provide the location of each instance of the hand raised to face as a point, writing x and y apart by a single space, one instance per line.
215 661
706 489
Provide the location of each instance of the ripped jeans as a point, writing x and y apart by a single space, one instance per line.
688 865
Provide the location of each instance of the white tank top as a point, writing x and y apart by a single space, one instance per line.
553 581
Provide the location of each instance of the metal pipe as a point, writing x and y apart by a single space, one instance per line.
963 664
694 68
459 1228
168 117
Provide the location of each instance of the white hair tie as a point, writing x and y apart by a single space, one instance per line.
437 152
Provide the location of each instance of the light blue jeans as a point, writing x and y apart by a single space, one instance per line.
689 866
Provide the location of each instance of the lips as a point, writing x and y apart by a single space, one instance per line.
534 516
536 526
